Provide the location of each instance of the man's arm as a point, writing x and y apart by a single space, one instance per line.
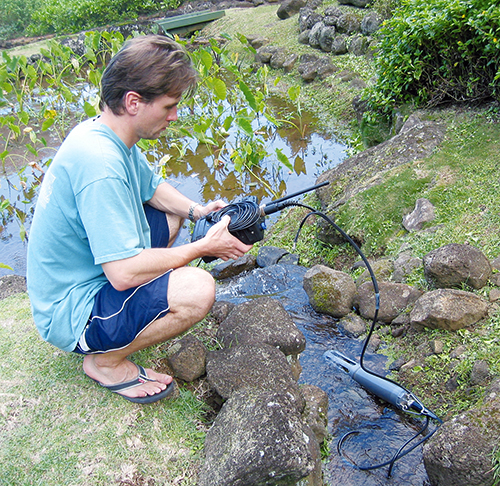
152 262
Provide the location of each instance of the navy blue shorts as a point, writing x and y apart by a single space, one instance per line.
118 317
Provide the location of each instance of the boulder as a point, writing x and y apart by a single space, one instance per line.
187 358
370 23
394 299
454 265
448 309
261 321
289 8
231 268
245 366
460 453
241 446
330 291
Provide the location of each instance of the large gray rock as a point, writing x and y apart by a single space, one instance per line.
460 453
261 321
330 291
394 299
448 309
308 18
454 265
312 67
257 439
370 23
262 367
288 8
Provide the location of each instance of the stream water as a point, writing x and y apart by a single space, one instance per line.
350 407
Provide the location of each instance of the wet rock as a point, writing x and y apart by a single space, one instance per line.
460 453
330 291
454 265
240 447
448 309
289 8
231 268
246 366
423 213
269 255
394 299
315 413
352 325
261 321
188 359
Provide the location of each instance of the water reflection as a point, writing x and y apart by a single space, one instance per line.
202 173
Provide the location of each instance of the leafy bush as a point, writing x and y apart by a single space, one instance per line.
16 14
62 16
435 51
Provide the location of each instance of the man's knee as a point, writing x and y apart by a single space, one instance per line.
192 288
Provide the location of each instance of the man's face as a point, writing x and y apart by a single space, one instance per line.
153 118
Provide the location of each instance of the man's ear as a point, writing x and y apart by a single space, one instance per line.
132 101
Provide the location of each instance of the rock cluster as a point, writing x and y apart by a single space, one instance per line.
269 429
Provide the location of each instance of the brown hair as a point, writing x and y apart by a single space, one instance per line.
152 66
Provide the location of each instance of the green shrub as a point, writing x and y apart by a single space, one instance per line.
63 16
16 14
435 51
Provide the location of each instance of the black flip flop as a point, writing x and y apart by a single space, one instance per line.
141 378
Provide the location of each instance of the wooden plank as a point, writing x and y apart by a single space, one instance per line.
189 22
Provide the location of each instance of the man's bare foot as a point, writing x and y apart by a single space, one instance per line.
125 371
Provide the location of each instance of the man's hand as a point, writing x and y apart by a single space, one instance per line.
201 211
223 244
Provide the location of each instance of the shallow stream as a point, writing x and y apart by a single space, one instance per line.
350 407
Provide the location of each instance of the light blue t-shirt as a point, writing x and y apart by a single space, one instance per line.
89 212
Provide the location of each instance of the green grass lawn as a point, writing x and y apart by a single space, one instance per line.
59 427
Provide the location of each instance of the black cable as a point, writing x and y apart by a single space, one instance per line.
423 411
243 215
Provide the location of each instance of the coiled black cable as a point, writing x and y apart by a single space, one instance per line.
243 215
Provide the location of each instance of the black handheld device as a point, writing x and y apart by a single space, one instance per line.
247 218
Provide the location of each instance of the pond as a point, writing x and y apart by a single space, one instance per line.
196 175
